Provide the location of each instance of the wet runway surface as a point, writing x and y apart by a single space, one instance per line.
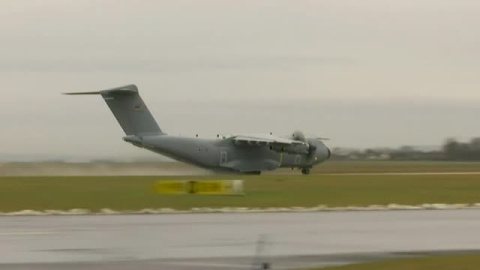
228 241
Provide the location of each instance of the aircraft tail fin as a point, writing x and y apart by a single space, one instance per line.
129 109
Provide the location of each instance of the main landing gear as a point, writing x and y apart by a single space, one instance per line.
305 171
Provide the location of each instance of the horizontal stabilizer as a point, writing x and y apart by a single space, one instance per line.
127 89
83 93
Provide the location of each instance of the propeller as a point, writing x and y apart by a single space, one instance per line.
298 136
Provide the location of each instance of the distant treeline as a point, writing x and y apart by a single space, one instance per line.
452 150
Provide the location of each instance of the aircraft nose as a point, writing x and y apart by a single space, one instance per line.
323 153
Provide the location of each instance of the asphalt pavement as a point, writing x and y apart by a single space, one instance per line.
229 241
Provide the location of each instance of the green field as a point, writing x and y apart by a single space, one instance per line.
395 166
162 168
451 262
287 190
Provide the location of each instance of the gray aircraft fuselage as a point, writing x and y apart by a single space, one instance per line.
245 155
223 155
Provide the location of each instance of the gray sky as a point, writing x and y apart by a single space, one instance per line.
365 73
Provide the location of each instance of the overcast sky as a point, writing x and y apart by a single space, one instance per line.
364 73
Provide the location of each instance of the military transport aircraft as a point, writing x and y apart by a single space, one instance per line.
240 153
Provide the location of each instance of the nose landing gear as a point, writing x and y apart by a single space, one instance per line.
305 171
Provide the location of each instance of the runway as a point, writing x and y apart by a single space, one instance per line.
228 241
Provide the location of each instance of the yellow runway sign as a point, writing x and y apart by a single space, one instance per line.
206 187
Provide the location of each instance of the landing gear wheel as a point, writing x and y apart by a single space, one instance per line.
305 171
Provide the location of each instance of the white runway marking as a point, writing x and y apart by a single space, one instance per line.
25 233
214 265
231 210
402 173
379 173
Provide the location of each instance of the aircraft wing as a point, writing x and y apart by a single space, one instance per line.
277 143
264 139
